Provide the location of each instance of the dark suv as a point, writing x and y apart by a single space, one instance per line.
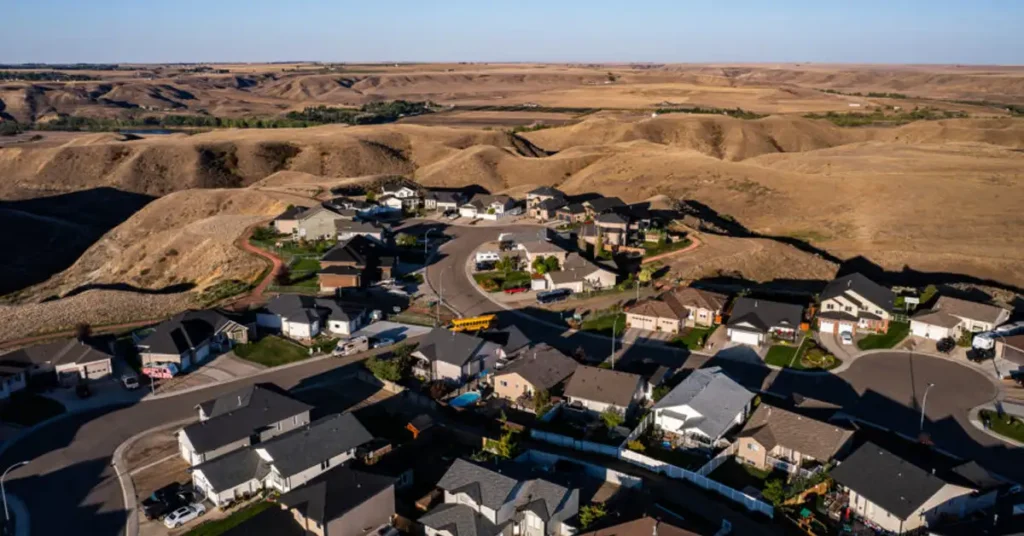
166 500
946 345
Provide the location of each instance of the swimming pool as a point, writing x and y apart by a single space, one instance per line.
465 399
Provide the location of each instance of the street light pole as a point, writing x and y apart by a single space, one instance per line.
426 243
3 492
924 403
615 325
440 297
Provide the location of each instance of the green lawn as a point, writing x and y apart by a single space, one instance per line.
272 351
220 526
1006 426
808 356
652 249
27 409
691 339
781 356
306 265
897 332
603 324
496 280
738 476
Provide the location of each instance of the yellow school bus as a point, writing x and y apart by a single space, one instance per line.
473 323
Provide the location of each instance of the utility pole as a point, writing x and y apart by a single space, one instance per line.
924 403
615 325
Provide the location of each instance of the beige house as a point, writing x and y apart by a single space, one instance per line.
653 315
317 224
578 274
952 316
542 203
541 248
342 502
613 228
774 438
288 220
854 303
899 496
684 307
539 369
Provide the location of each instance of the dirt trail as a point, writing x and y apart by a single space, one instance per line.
256 295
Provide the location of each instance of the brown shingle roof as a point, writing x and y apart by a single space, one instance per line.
969 309
603 385
695 297
772 426
644 526
655 308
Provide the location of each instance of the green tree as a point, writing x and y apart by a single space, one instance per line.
591 513
965 340
539 265
551 264
507 264
646 274
774 491
611 417
371 196
505 448
405 240
541 400
392 370
660 392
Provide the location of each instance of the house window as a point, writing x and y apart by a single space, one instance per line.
504 383
752 446
829 306
848 308
324 465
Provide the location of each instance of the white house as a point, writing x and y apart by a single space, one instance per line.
454 357
578 274
900 497
853 303
952 316
400 197
755 321
596 389
305 317
479 499
282 463
188 339
705 406
490 207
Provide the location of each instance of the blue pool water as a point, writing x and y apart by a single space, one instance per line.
465 399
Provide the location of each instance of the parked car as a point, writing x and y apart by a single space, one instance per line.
183 515
167 499
978 355
82 390
516 290
130 381
945 345
452 214
552 296
846 337
380 343
485 266
353 346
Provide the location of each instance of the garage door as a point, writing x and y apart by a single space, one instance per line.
929 331
827 326
845 327
745 337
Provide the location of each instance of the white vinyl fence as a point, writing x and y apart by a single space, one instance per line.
575 444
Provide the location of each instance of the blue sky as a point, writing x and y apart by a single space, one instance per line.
866 31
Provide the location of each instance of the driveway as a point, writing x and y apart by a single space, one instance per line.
632 335
845 352
392 330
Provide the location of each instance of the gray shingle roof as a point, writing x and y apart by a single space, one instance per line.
459 520
58 353
554 203
324 439
764 314
335 493
603 385
184 332
968 309
546 190
450 346
235 468
486 487
887 480
543 366
238 414
713 394
510 338
603 204
868 289
295 306
290 214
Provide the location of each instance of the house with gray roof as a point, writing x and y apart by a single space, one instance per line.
950 317
855 303
753 321
595 390
283 462
541 368
775 438
305 317
342 502
703 407
454 357
73 360
246 416
186 340
509 498
443 200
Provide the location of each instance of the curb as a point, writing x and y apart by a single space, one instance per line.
56 418
124 476
973 416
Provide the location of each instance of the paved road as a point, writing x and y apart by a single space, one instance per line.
70 487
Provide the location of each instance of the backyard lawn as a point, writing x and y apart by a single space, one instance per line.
782 355
272 351
738 476
897 332
678 458
220 526
1006 426
652 249
603 324
693 336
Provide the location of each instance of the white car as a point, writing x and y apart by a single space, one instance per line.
846 337
183 515
130 382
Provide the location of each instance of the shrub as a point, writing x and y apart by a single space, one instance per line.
591 513
636 446
611 418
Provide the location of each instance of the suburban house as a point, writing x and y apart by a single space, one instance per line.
342 502
579 274
453 356
602 205
950 317
490 207
305 317
613 228
541 248
347 229
244 417
401 197
356 262
541 368
542 203
317 223
855 303
187 339
72 360
503 499
647 526
282 463
775 438
287 222
596 389
899 496
443 201
677 309
703 407
753 321
510 340
353 208
571 213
